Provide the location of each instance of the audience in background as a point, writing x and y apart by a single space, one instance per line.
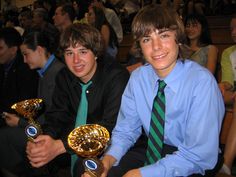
50 6
37 49
199 40
17 81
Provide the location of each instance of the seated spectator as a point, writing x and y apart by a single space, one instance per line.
228 88
11 20
111 17
64 16
96 18
199 40
40 23
26 18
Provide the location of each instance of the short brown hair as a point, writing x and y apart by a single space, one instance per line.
84 34
153 17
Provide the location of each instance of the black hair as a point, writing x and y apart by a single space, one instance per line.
205 37
37 38
10 36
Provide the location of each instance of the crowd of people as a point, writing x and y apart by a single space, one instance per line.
164 117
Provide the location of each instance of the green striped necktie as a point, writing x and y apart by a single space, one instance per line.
156 131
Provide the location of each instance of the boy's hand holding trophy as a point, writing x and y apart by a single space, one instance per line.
29 109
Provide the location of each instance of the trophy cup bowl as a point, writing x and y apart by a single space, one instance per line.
29 109
90 141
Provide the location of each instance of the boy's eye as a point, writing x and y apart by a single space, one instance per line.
164 35
83 52
145 39
68 53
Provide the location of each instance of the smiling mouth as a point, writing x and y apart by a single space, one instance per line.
157 57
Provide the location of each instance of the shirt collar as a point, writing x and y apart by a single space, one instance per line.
171 78
49 61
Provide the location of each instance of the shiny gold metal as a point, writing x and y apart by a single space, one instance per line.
29 109
90 141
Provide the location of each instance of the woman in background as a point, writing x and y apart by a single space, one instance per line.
199 40
96 18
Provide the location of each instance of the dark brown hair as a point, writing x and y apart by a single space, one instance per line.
82 34
155 16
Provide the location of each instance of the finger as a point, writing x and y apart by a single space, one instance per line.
40 138
37 165
36 159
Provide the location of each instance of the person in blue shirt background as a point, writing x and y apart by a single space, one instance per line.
194 105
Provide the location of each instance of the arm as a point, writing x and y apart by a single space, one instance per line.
105 31
212 59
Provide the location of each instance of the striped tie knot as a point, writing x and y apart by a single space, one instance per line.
161 86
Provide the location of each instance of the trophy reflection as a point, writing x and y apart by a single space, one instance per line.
29 109
89 141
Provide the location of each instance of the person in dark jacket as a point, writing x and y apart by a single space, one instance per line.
17 81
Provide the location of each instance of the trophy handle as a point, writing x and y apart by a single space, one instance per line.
93 166
33 130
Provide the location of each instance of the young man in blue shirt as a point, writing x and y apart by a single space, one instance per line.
194 107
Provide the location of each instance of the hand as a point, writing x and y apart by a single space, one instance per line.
108 162
133 173
222 88
12 120
43 149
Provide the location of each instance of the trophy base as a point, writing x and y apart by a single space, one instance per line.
93 166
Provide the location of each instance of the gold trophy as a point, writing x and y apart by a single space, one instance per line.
90 141
29 109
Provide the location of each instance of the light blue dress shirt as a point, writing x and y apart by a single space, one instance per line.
194 113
